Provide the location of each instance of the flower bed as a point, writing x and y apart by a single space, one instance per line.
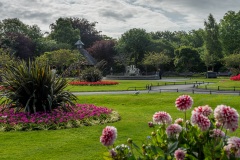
80 115
204 136
235 78
99 83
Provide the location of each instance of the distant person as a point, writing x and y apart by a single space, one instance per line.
54 70
160 73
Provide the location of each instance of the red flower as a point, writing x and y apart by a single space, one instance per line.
184 102
109 135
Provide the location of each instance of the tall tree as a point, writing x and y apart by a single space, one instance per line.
20 39
63 32
230 32
232 62
187 59
103 50
156 59
88 31
212 41
135 43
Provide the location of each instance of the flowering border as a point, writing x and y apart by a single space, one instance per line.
235 78
98 83
80 115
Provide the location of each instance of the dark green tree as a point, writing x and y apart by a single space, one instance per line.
63 32
134 42
230 32
212 42
187 59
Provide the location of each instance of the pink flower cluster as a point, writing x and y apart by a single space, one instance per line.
162 118
226 116
233 146
179 154
217 133
109 135
99 83
78 112
173 130
204 110
202 121
184 102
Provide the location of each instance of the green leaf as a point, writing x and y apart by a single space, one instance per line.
172 147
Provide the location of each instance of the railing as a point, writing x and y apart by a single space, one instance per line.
220 88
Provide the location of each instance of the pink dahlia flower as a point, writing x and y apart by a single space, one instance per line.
173 130
204 110
202 121
227 116
109 135
179 154
179 121
235 142
234 145
162 118
184 102
217 133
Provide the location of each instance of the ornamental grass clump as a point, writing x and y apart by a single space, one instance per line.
32 87
204 136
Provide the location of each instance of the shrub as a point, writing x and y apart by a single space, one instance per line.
235 78
91 74
32 87
202 137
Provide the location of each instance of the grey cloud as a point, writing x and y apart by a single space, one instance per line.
117 16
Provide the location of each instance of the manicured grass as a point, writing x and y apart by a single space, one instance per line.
225 84
123 85
83 143
141 84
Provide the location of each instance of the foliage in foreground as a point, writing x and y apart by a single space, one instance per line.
80 115
202 137
32 87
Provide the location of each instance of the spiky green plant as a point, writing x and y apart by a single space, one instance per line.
33 88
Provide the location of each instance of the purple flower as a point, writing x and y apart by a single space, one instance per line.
179 154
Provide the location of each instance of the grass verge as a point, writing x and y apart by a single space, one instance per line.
83 143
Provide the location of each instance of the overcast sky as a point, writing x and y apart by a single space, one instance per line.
115 17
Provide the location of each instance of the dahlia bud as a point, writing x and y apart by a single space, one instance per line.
129 140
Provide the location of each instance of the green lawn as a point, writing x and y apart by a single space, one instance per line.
140 84
83 143
123 85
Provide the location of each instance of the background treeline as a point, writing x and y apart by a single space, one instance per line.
215 47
